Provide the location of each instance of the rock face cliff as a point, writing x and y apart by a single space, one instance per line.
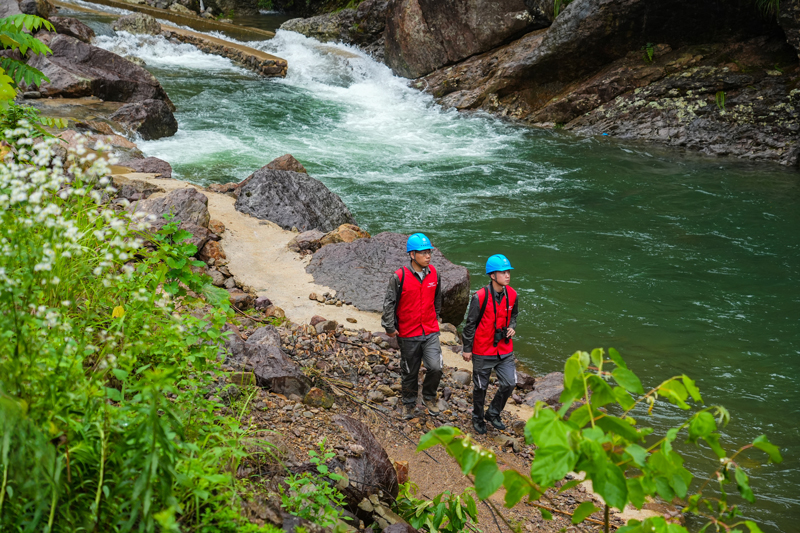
719 76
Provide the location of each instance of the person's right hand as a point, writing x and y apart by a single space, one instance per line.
467 356
392 334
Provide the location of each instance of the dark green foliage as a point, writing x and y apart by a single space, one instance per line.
14 37
601 439
446 513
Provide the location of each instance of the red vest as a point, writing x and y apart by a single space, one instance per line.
416 312
495 315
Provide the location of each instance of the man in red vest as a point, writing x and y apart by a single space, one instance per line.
488 343
411 311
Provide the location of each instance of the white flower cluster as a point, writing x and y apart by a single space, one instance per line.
52 212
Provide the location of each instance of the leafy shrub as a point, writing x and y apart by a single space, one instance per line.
14 37
310 496
108 420
445 513
601 439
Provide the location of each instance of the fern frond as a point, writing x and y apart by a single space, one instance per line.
20 72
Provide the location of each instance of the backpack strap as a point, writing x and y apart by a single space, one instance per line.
399 293
483 303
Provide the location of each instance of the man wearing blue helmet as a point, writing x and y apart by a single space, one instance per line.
411 311
488 342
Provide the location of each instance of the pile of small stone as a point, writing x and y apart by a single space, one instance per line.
328 298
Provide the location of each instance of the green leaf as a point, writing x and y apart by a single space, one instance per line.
601 391
566 486
488 478
547 515
713 441
701 425
113 394
572 370
617 358
743 484
583 511
612 424
119 373
752 526
628 380
177 264
546 429
638 454
691 388
763 444
597 358
623 397
675 392
517 487
612 486
664 489
580 416
469 458
552 463
441 435
216 296
636 493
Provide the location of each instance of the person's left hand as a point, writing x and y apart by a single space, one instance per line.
511 333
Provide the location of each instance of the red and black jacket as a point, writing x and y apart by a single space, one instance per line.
487 314
415 309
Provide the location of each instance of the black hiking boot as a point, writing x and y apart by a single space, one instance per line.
496 422
480 426
410 411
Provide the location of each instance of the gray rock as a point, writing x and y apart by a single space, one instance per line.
262 302
423 35
40 8
187 205
229 283
375 396
376 259
525 381
328 325
292 199
378 369
306 241
151 119
262 355
442 405
287 162
462 377
138 24
217 279
547 389
73 27
77 69
149 165
8 8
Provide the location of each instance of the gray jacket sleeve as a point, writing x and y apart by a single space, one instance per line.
389 302
471 325
437 298
512 323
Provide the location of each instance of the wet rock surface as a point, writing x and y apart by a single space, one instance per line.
376 259
151 119
292 199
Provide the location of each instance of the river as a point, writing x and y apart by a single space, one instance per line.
685 264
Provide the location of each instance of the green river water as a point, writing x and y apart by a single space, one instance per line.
685 264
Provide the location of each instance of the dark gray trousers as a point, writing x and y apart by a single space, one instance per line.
506 370
412 354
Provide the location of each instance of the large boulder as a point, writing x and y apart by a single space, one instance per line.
546 389
292 199
8 8
138 24
73 27
375 260
369 472
424 35
287 162
262 355
40 8
151 119
789 19
189 206
149 165
77 69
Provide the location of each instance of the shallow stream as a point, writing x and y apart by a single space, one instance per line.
685 264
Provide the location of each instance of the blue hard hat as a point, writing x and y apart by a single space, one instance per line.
498 263
417 242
